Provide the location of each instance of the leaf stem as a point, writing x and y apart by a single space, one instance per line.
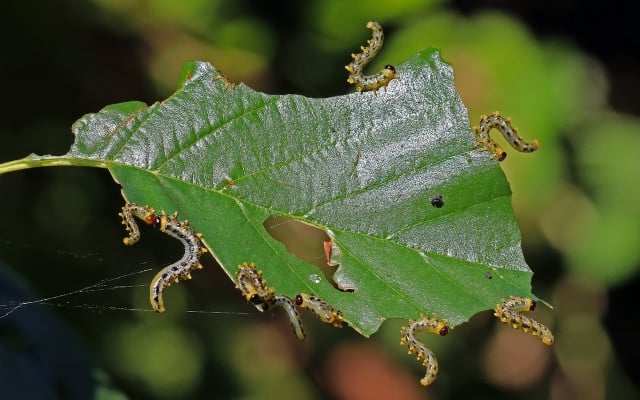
35 161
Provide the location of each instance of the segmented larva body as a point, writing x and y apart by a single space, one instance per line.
321 308
255 290
169 224
423 353
146 213
360 60
503 125
292 313
508 311
253 286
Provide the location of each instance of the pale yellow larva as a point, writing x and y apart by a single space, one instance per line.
326 312
503 125
356 76
509 312
423 353
169 224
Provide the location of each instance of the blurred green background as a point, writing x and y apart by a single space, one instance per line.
566 72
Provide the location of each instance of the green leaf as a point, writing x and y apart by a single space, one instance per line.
361 167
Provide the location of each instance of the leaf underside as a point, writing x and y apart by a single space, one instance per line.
362 167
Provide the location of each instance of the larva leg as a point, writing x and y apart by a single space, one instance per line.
321 308
360 60
509 312
503 125
424 324
255 290
170 225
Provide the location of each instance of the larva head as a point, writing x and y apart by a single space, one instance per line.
547 339
158 222
389 71
438 327
257 301
500 154
532 305
299 300
145 213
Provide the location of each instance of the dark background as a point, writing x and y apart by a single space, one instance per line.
63 59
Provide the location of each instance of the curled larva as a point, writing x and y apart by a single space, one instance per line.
503 125
360 60
255 290
321 308
509 312
253 286
424 324
145 213
169 224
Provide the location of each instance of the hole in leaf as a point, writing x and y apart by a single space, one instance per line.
303 241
